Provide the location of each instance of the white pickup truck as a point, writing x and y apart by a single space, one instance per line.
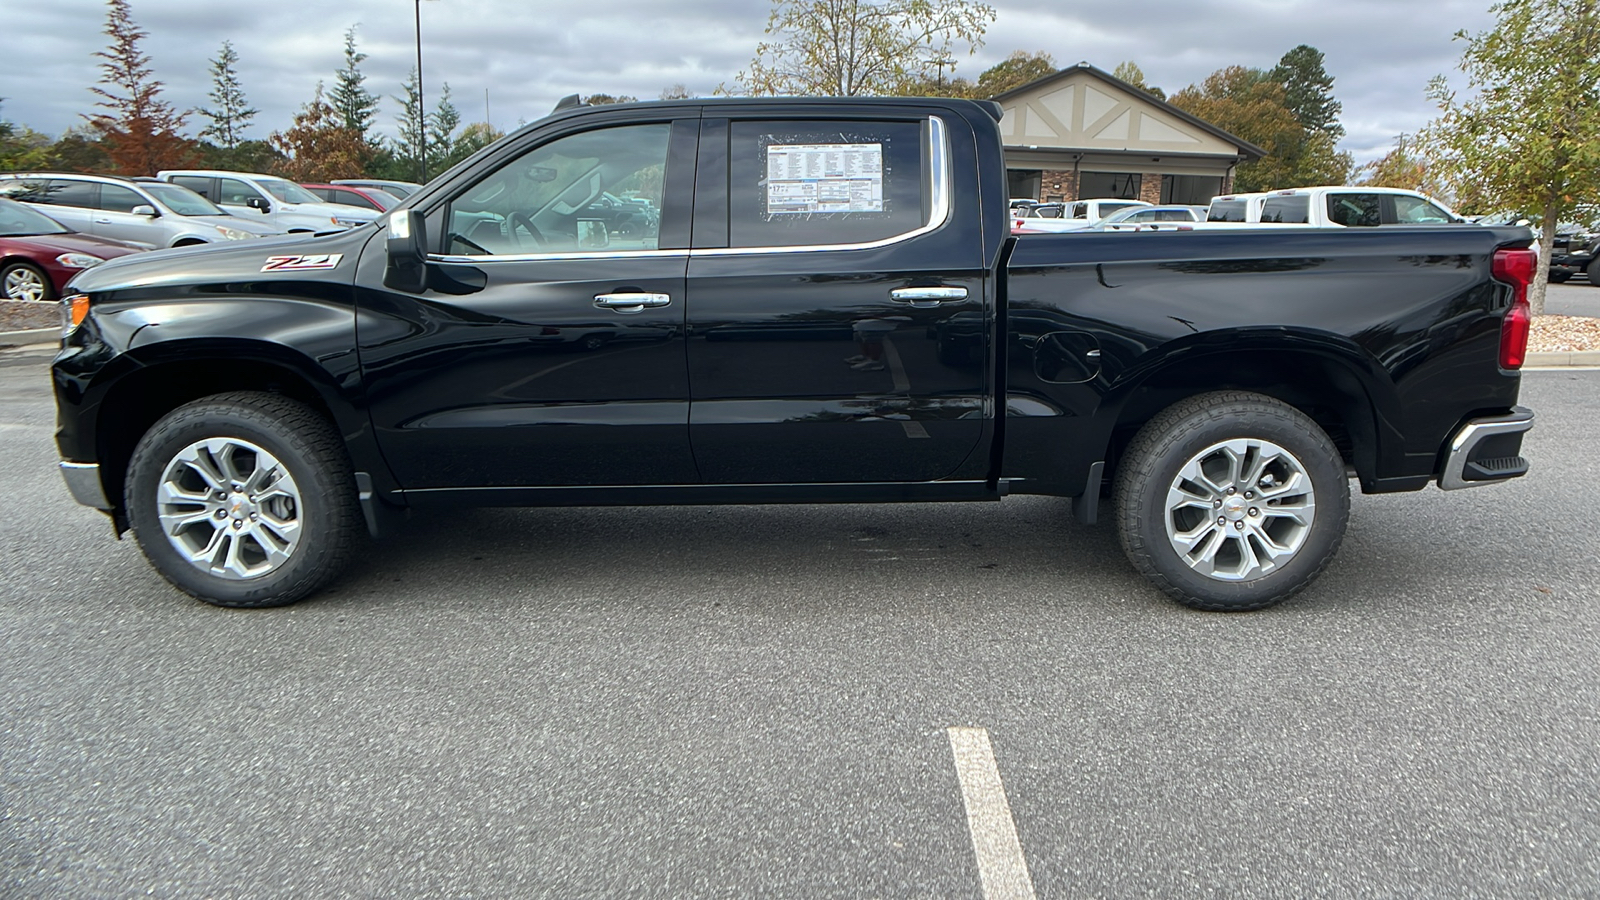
1075 215
1331 207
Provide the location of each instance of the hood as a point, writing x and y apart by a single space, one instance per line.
298 257
73 242
236 222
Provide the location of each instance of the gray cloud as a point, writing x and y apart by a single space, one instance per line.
527 55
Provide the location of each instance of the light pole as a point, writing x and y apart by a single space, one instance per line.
422 108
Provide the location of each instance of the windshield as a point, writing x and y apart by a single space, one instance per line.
181 200
17 220
287 191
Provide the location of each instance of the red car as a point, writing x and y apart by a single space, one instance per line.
39 255
351 195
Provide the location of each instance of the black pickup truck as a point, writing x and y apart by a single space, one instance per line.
782 301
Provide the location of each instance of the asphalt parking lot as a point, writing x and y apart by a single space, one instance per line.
757 701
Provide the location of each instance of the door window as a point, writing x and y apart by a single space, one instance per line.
67 192
1355 210
799 183
235 192
598 191
198 184
1417 211
116 198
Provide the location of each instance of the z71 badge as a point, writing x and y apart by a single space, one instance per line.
300 263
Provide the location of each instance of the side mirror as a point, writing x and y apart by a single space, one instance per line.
407 251
144 209
258 203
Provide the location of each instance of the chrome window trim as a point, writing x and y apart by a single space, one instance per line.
940 188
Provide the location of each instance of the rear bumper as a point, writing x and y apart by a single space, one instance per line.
83 482
1486 451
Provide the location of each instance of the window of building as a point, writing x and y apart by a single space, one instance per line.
1123 185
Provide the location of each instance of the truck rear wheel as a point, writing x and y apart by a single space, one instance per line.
1231 501
243 500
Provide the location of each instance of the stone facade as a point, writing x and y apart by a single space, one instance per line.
1150 187
1056 184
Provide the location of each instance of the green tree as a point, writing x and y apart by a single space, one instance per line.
1248 103
473 137
608 99
442 125
232 113
22 148
1130 72
409 147
1016 70
852 48
1308 93
1527 139
80 149
141 131
357 107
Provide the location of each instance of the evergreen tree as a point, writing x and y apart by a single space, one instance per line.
1308 91
356 106
409 146
232 114
442 124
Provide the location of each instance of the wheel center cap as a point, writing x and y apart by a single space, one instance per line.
240 507
1234 507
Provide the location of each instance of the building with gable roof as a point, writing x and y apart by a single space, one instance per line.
1083 133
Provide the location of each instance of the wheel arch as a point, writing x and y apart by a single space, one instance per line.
167 375
1327 378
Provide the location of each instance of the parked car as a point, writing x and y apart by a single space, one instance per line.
401 189
1575 246
268 199
1075 215
39 255
1150 218
354 195
248 410
1332 207
147 212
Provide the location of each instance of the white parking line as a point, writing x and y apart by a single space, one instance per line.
1001 866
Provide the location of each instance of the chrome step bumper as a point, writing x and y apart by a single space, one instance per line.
1468 461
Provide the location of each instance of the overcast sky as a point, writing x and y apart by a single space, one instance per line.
527 54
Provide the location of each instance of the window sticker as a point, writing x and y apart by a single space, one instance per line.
824 178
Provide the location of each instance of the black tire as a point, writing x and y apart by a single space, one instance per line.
324 509
34 274
1190 432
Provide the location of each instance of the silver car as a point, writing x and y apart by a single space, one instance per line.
162 215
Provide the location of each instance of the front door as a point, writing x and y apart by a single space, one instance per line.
838 305
548 347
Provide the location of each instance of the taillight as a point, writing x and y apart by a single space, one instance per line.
1516 268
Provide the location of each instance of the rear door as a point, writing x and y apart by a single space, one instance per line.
71 202
114 217
839 308
547 350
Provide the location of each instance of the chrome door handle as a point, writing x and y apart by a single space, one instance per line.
926 297
102 221
629 303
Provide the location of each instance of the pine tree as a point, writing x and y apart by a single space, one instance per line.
442 123
356 106
232 115
141 130
1308 91
410 145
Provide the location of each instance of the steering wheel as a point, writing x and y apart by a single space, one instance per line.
533 233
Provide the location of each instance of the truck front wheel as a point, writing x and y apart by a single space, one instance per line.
1231 501
243 499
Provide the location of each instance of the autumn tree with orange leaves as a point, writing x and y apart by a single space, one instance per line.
140 129
320 146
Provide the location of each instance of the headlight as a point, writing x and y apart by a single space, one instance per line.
74 307
233 234
348 223
79 260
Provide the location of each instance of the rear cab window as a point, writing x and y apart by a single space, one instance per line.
1226 211
1294 209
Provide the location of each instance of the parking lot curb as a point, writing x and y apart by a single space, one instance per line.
1551 360
31 336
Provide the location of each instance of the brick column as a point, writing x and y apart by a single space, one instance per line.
1150 187
1061 183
